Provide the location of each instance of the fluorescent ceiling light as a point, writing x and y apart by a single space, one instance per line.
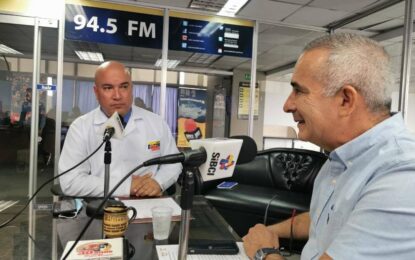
90 56
171 64
207 5
7 50
232 7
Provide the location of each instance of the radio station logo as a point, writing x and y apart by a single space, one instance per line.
224 164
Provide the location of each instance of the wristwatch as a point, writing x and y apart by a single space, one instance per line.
263 252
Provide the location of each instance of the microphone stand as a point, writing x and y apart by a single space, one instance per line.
93 205
107 162
186 202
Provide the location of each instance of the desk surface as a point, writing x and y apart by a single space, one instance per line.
207 224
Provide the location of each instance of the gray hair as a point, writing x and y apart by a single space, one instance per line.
358 61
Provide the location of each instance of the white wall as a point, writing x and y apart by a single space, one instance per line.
275 95
410 120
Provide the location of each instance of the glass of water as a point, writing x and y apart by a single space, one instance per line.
161 222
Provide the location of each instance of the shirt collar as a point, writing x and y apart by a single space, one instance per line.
354 148
127 116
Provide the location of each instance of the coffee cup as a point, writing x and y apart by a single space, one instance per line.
116 220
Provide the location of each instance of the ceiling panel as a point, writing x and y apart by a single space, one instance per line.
268 10
352 6
391 24
316 16
395 11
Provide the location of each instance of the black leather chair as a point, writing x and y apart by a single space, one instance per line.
280 177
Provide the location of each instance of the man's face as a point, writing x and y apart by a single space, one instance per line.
314 112
113 89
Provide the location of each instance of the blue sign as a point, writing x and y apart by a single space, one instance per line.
210 37
45 87
84 23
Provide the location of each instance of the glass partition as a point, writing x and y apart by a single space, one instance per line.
278 50
16 113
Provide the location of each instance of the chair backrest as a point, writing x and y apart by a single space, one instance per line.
295 169
283 168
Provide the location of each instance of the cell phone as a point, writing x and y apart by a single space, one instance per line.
212 247
65 207
227 185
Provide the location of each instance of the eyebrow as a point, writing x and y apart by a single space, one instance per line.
296 85
110 85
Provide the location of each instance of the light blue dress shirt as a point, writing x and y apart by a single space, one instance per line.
363 203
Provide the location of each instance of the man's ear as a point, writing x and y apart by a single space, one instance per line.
348 98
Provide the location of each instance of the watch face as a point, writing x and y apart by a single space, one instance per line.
263 252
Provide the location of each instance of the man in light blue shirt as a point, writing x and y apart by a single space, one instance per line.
363 202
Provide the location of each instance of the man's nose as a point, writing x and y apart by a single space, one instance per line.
289 105
116 93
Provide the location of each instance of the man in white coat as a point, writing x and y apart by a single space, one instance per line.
146 135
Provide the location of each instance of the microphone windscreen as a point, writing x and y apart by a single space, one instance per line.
113 121
248 149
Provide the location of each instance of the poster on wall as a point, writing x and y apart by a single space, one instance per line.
243 98
191 116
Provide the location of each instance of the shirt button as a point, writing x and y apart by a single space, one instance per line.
333 182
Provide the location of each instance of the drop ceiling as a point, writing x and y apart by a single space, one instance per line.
284 28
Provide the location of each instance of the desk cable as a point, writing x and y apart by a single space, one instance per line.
291 226
44 184
267 208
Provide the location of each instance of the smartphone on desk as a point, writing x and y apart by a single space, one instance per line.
227 185
65 208
212 247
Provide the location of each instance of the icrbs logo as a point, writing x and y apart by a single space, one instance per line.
226 163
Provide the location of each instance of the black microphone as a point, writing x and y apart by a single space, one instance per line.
189 157
108 133
215 157
249 149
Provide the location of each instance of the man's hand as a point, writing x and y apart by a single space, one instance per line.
145 186
258 237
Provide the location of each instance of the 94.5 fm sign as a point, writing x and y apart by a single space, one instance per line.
93 24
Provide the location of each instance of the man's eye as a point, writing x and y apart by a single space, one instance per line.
124 86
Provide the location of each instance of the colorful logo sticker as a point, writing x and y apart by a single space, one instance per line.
226 163
154 145
94 249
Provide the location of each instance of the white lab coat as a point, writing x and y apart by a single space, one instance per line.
139 143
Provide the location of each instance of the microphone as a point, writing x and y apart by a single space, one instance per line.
108 133
112 128
189 157
249 149
215 157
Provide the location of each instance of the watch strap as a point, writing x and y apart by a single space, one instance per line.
263 252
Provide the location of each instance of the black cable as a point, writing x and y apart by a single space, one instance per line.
266 209
292 230
131 251
7 63
104 200
44 184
